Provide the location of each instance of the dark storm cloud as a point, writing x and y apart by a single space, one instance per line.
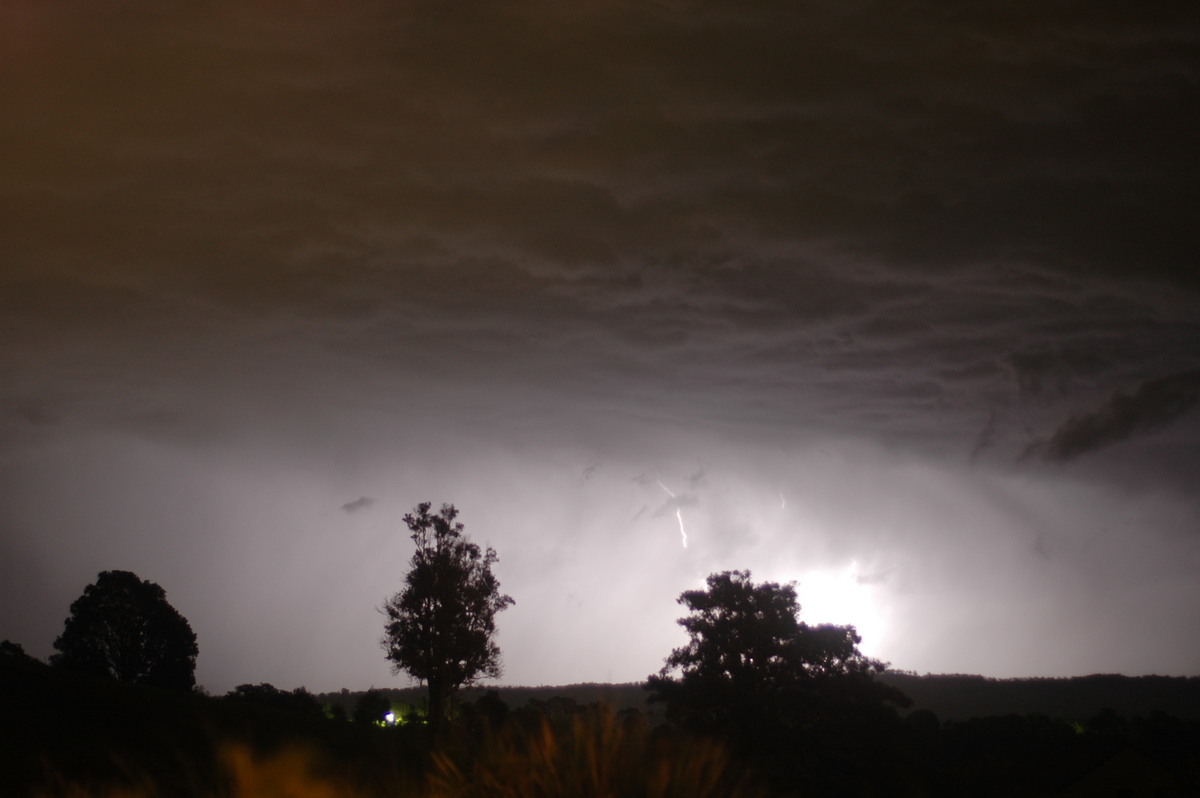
797 198
648 130
987 437
1040 371
361 503
1153 405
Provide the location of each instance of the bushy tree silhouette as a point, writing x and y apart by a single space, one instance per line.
440 627
755 674
123 627
297 702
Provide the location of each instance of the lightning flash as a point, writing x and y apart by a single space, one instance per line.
678 513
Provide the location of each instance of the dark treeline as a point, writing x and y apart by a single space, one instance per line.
86 736
631 695
960 697
65 729
951 697
73 734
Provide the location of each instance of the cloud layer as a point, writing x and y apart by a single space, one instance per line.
479 248
1154 404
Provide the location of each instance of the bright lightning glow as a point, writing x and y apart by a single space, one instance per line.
678 513
843 597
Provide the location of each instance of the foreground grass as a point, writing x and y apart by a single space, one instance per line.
595 755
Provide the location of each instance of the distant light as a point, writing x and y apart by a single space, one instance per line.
390 718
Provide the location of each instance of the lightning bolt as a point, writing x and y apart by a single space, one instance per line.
678 513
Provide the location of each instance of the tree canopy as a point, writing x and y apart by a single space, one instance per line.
297 702
751 667
371 707
123 627
441 626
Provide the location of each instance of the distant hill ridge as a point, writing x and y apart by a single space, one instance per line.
954 697
1078 698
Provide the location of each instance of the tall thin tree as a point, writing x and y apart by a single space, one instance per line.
441 626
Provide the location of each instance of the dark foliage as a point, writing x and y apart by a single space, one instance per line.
486 713
773 686
71 734
941 698
751 661
630 696
297 702
123 627
371 707
440 627
13 651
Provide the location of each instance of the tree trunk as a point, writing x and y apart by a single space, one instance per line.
437 705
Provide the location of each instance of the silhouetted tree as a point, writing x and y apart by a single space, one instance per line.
14 659
123 627
492 708
10 649
297 702
754 673
371 706
440 626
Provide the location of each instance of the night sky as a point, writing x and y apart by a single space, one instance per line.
900 300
